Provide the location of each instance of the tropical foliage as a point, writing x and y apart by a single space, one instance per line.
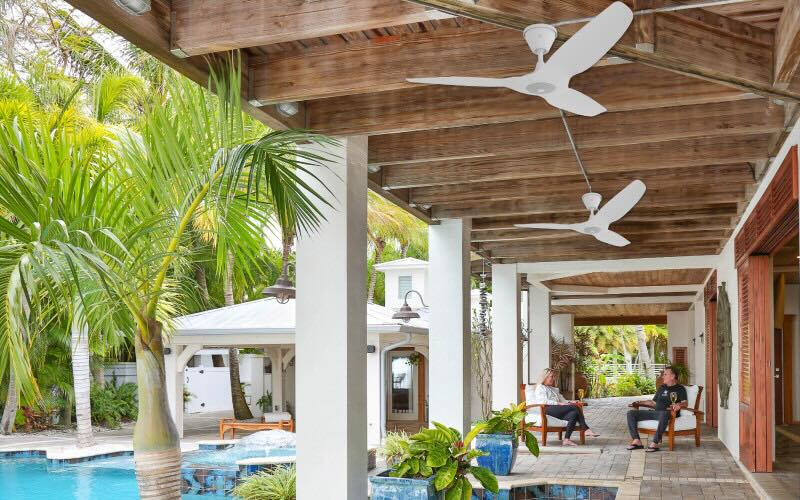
112 405
440 452
509 421
394 447
279 483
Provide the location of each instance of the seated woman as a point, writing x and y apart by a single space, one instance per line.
557 406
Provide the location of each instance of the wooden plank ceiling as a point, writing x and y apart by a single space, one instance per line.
698 101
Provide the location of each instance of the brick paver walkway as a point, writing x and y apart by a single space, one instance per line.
686 473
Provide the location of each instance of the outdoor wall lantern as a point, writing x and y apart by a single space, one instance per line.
406 313
283 290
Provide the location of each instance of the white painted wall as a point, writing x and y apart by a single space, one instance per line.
679 327
563 327
506 345
698 356
419 282
729 418
539 341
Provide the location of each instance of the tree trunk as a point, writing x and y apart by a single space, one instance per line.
99 371
404 250
82 382
644 354
156 445
10 409
240 409
373 278
627 354
202 283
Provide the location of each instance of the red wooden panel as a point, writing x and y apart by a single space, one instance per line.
680 356
746 428
761 369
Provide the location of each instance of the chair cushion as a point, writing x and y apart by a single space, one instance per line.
529 391
691 394
535 418
275 417
687 421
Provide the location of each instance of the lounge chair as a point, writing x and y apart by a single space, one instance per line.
538 421
688 424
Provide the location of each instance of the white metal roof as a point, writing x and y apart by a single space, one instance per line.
407 263
267 316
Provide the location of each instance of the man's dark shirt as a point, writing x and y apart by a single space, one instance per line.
663 400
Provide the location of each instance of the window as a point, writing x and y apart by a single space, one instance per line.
403 286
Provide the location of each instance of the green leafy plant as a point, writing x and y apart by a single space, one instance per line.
113 405
509 421
265 402
626 386
682 372
395 447
440 452
645 384
279 483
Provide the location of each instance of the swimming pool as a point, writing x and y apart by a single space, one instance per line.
29 477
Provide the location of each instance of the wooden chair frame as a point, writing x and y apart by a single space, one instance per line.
231 424
671 432
545 429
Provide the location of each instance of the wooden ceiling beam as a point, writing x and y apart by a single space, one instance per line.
692 216
151 32
618 320
697 43
606 184
624 87
715 227
574 241
611 253
560 203
657 155
752 116
787 45
206 26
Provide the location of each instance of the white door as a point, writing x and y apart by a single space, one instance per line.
209 389
403 386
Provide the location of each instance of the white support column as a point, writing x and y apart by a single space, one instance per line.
449 327
506 329
331 335
276 359
563 327
539 341
174 362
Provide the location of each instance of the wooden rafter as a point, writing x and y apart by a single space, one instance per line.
787 45
696 42
206 26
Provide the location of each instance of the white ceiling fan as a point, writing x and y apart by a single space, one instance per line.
550 80
599 220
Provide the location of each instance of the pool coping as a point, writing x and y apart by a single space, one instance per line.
70 456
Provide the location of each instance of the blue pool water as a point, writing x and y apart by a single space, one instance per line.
25 478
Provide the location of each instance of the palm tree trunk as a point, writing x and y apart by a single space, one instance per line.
240 409
10 409
626 353
202 283
156 446
404 250
644 354
99 371
373 278
82 381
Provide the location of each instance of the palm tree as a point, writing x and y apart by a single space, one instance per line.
187 157
384 225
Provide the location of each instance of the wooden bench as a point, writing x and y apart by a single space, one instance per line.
544 426
231 424
687 424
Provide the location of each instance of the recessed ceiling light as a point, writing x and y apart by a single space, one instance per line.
134 7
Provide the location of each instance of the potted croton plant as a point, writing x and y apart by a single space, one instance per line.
499 438
434 466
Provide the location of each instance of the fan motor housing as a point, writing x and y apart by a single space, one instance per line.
540 37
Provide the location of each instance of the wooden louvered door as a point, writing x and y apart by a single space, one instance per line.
755 364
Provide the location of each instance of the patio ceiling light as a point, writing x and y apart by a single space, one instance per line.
283 290
405 313
134 7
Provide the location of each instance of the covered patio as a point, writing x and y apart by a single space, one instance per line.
702 109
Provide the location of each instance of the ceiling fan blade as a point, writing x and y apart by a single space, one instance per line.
612 238
575 102
462 81
621 204
570 227
591 42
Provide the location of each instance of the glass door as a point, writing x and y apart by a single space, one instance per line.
403 386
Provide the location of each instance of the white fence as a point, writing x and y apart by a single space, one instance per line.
120 373
614 370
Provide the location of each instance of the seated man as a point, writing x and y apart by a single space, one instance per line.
661 405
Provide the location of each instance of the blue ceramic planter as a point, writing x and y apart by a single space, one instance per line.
385 487
502 449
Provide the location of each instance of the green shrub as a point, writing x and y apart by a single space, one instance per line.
626 386
395 447
113 405
276 484
645 384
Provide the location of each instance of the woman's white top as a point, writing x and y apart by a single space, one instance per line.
545 394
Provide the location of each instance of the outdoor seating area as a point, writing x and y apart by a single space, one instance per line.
400 249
